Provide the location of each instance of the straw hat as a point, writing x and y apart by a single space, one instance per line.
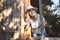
30 8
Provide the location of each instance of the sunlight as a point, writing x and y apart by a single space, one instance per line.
11 25
7 12
3 28
16 35
1 17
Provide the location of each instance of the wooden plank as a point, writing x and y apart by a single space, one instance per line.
22 19
23 4
52 38
28 33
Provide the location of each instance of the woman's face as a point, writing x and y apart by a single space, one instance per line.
32 13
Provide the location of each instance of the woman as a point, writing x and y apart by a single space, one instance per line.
35 20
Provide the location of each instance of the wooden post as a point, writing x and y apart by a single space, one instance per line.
22 19
27 3
23 4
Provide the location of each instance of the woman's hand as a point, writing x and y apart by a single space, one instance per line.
44 22
25 23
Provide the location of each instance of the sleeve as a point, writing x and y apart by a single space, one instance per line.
42 17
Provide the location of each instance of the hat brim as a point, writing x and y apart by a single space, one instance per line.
36 9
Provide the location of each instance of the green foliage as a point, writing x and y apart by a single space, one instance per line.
53 22
47 2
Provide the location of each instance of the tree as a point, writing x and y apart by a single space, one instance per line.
52 26
47 2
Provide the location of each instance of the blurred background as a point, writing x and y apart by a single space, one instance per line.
10 15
